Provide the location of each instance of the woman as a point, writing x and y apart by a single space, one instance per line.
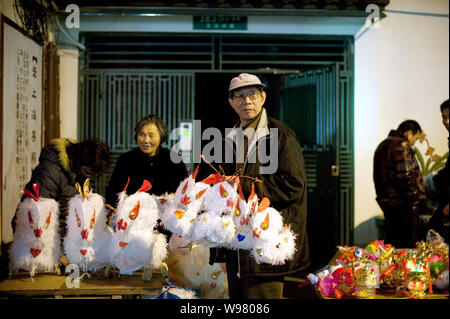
150 161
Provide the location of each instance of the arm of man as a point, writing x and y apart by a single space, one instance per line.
288 184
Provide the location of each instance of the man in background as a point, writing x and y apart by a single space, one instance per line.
399 186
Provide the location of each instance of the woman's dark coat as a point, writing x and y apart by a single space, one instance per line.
164 175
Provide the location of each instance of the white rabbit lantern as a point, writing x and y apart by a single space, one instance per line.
36 243
135 243
273 243
243 220
88 236
186 203
214 225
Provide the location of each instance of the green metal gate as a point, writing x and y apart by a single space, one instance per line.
312 106
112 102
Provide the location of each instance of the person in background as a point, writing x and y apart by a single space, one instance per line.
399 186
285 188
63 163
440 184
149 161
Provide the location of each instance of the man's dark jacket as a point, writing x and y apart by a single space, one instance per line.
396 174
286 190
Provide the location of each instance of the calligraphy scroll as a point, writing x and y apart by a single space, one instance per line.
22 117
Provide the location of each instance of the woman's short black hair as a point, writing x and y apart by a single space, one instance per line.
89 157
152 119
409 125
444 105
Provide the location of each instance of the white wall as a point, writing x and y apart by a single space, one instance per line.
7 9
68 97
401 72
366 124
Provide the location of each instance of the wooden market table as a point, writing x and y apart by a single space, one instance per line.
97 286
391 294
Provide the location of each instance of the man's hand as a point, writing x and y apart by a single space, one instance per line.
445 210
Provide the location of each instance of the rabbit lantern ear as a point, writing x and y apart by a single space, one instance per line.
194 175
146 185
86 188
36 190
252 194
265 202
29 194
85 191
241 193
126 186
213 179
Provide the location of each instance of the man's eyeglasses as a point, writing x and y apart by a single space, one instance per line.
241 96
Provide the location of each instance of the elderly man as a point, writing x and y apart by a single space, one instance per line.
399 185
283 181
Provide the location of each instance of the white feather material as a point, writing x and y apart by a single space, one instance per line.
36 243
214 226
242 217
273 243
186 203
160 251
225 219
134 244
181 293
88 237
163 202
267 224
